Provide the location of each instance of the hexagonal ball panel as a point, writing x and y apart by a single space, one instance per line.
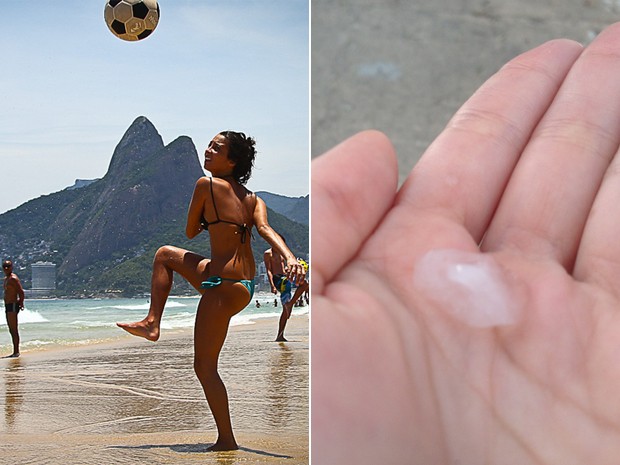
123 12
108 14
152 19
135 26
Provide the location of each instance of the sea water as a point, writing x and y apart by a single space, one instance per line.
70 322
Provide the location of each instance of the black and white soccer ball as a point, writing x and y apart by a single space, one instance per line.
131 19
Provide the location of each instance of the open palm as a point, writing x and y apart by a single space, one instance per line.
524 178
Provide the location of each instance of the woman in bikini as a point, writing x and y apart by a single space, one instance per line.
223 206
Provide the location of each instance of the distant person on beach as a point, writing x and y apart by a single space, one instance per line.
302 289
223 206
473 315
13 302
257 304
275 263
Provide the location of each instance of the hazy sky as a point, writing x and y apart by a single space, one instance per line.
69 89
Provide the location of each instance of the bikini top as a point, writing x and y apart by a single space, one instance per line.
243 228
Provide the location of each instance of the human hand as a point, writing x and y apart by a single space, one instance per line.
523 180
295 271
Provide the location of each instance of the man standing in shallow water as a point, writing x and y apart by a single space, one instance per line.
13 302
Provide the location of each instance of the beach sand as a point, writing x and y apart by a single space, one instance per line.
135 401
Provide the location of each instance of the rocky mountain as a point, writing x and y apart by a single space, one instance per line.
294 208
147 184
102 236
79 183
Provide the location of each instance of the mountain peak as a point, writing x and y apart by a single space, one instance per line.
141 127
104 234
138 143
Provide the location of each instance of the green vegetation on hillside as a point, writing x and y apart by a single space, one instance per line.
102 237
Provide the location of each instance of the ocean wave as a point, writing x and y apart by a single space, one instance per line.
248 318
84 324
146 306
180 320
70 323
301 310
36 343
28 316
41 343
143 306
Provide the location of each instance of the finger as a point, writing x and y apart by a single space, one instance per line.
547 201
463 173
296 273
353 185
598 256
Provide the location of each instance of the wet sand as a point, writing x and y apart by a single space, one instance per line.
139 402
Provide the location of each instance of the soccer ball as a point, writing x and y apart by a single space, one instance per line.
131 19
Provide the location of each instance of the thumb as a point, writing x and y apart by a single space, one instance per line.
353 186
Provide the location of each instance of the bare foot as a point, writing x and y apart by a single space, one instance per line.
13 355
142 328
222 446
281 338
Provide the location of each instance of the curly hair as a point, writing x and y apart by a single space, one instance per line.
242 151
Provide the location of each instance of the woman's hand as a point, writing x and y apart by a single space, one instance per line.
525 179
295 271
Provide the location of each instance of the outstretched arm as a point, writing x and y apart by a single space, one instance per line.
294 270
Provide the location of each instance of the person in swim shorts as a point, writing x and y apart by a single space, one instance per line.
13 302
274 263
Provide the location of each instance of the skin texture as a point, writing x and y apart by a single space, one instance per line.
230 258
526 172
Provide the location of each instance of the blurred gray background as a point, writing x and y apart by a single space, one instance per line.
405 66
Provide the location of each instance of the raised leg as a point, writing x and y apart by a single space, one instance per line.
168 259
301 289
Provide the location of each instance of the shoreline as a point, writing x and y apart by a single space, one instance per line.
192 295
135 401
125 340
58 324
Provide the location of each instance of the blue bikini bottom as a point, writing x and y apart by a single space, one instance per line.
214 281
